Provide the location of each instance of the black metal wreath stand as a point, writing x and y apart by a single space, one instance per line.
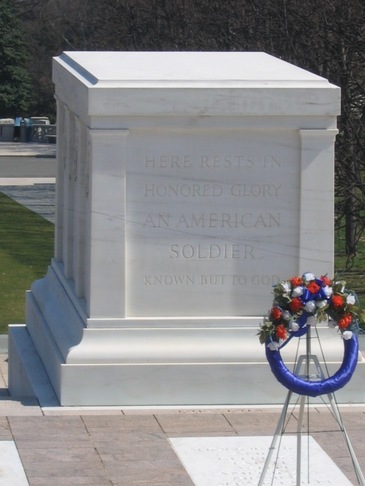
304 363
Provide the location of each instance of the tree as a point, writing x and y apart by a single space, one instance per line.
15 85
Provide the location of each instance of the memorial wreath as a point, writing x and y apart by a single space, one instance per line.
299 303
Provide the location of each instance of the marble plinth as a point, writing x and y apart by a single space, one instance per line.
188 184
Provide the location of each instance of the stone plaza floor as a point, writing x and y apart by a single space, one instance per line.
66 446
37 192
14 149
37 195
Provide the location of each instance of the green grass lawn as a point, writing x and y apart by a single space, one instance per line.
26 249
352 272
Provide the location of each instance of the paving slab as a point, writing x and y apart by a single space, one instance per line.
111 446
240 460
11 470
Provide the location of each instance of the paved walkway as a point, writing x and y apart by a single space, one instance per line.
37 194
14 149
130 447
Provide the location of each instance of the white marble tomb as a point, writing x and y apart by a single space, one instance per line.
188 184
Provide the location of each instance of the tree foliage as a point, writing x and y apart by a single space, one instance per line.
326 37
15 86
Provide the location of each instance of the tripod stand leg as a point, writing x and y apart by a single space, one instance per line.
337 415
280 427
278 433
355 462
299 439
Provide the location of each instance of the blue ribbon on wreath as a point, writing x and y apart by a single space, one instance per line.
303 329
301 386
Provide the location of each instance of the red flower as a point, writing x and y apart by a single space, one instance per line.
296 281
337 301
280 332
295 305
325 280
276 313
345 321
313 287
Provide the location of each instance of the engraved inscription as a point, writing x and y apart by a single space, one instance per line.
168 161
213 220
183 190
210 280
226 220
206 217
210 161
255 190
212 251
170 217
195 190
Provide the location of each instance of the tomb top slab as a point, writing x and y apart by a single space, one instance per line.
117 83
175 68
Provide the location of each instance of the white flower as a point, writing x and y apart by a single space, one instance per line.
285 286
297 292
311 321
328 291
307 277
347 335
342 289
350 299
294 326
310 306
321 303
286 315
273 346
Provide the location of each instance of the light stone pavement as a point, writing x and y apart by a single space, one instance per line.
125 446
35 191
20 149
36 194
